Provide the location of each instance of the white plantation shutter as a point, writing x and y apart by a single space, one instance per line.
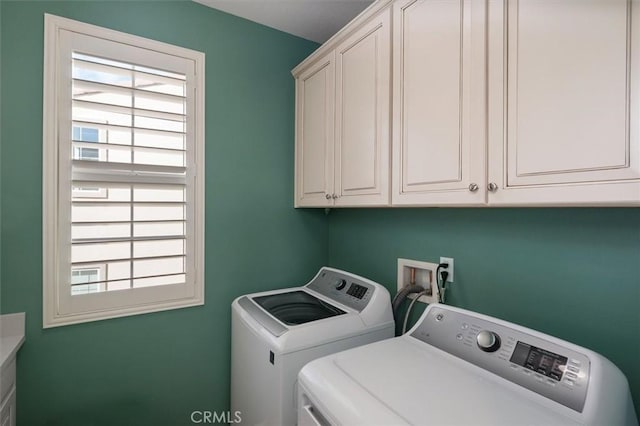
128 235
137 230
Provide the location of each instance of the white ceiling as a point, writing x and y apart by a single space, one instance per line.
315 20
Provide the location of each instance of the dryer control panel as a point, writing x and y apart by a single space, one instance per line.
344 288
531 361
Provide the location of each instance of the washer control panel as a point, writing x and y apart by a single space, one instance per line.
344 288
535 363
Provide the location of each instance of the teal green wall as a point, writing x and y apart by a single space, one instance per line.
571 273
157 368
0 156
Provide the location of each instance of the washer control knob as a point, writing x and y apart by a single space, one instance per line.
340 284
488 341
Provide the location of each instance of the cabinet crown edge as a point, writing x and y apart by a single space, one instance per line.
353 25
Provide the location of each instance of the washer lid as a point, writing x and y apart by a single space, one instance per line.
419 385
297 307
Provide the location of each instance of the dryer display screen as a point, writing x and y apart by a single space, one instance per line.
357 291
539 360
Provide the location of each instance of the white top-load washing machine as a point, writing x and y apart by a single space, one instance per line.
275 333
457 367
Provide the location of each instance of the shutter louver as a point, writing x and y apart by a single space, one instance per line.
128 156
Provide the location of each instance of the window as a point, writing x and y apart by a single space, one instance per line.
87 134
86 280
123 174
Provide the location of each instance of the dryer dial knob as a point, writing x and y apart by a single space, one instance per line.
488 341
340 284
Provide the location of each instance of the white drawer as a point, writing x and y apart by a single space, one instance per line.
7 378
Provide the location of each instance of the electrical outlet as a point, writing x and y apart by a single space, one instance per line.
449 261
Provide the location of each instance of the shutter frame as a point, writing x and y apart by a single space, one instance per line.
62 36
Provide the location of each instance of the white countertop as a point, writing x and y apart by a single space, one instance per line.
11 336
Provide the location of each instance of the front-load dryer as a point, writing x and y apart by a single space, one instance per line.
457 367
275 333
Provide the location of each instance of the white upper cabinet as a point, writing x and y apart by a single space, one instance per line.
362 115
342 120
563 102
315 105
495 102
439 102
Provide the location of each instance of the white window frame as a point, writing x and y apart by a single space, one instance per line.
59 306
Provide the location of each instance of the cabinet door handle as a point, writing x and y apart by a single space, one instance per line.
473 187
328 196
334 196
493 187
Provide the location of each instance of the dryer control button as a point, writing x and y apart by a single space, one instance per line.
340 284
488 341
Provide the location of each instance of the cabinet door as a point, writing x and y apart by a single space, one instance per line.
363 63
8 409
563 107
439 102
315 100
